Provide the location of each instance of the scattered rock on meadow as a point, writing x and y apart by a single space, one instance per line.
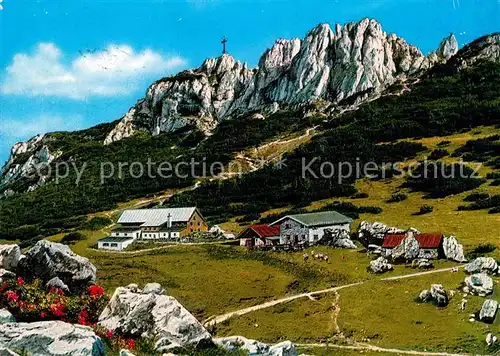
422 263
380 265
482 264
337 238
253 348
436 295
453 250
488 311
9 256
51 338
490 339
479 284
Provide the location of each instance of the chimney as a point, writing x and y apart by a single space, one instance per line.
169 220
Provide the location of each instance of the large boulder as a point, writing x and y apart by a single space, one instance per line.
6 317
153 288
436 295
337 238
482 264
479 284
6 275
234 344
422 263
51 338
408 249
9 257
47 260
374 233
380 265
153 315
453 250
488 311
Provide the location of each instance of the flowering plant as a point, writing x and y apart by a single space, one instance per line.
29 302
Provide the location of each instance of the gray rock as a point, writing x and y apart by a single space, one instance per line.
482 264
57 283
479 284
255 348
153 288
436 295
9 257
422 263
5 275
133 287
376 231
154 316
51 338
7 352
488 311
47 260
453 250
448 47
337 238
380 265
6 317
126 353
491 339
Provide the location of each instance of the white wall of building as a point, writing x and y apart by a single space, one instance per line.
134 234
114 246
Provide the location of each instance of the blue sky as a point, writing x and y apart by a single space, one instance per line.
70 64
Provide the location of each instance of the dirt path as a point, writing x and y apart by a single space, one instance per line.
367 347
210 322
219 319
421 273
335 315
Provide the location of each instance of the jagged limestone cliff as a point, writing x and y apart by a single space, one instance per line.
327 64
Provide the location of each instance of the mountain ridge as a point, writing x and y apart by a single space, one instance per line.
291 70
326 64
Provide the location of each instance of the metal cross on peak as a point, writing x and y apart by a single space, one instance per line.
224 41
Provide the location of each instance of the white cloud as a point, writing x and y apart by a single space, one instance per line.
117 70
12 130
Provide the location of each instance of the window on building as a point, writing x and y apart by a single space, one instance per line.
114 245
105 244
315 237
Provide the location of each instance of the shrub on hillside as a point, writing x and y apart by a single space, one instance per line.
397 197
72 238
360 196
440 180
444 143
480 251
476 196
248 218
438 153
97 223
425 209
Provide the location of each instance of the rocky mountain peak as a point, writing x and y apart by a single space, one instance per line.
484 48
448 47
356 58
